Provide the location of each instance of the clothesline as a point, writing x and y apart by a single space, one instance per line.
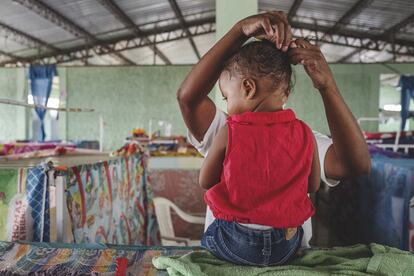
70 109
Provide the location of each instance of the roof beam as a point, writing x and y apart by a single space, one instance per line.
356 9
388 33
350 33
65 23
163 34
25 39
124 19
9 55
167 33
397 27
294 8
180 17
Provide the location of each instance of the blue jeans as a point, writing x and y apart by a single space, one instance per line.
241 245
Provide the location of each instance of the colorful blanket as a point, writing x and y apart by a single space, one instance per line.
110 202
19 148
73 259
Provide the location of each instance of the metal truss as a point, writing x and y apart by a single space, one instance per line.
149 38
387 34
65 23
180 17
316 32
354 11
355 39
24 38
124 19
293 9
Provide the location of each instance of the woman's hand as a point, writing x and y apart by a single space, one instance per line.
272 26
314 62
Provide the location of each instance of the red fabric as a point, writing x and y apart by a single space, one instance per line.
385 135
265 172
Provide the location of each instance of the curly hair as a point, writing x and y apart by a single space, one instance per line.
261 59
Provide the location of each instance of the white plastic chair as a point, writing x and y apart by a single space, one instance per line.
163 208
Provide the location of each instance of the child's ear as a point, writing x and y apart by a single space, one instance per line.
248 88
285 96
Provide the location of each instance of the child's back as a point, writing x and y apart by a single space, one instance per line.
265 172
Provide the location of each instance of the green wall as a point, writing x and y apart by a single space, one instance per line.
12 118
128 97
226 17
358 86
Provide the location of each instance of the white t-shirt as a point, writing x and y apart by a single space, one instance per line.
218 122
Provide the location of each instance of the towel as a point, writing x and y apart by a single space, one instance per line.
373 259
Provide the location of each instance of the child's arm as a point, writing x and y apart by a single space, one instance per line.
315 175
212 167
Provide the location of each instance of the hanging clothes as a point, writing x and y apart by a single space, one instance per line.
407 93
41 77
37 191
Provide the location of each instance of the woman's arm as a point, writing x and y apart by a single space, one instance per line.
197 109
212 167
315 175
348 156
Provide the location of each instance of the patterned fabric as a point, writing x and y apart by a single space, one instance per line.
111 202
8 188
18 148
68 259
37 190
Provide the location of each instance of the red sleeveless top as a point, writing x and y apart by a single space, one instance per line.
265 172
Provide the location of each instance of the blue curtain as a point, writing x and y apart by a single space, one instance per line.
407 93
41 77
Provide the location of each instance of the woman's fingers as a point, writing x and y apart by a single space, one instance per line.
288 38
301 43
267 27
281 34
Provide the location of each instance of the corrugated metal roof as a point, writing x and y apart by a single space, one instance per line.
325 9
21 18
89 14
153 14
271 5
384 13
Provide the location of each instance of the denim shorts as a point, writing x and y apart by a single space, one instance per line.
241 245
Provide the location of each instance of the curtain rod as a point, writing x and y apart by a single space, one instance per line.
70 109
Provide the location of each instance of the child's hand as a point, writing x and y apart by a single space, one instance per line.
273 26
314 62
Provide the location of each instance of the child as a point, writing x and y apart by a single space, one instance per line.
261 165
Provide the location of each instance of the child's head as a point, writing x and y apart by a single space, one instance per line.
257 73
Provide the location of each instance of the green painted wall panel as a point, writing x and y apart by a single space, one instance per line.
12 118
358 87
127 97
228 13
